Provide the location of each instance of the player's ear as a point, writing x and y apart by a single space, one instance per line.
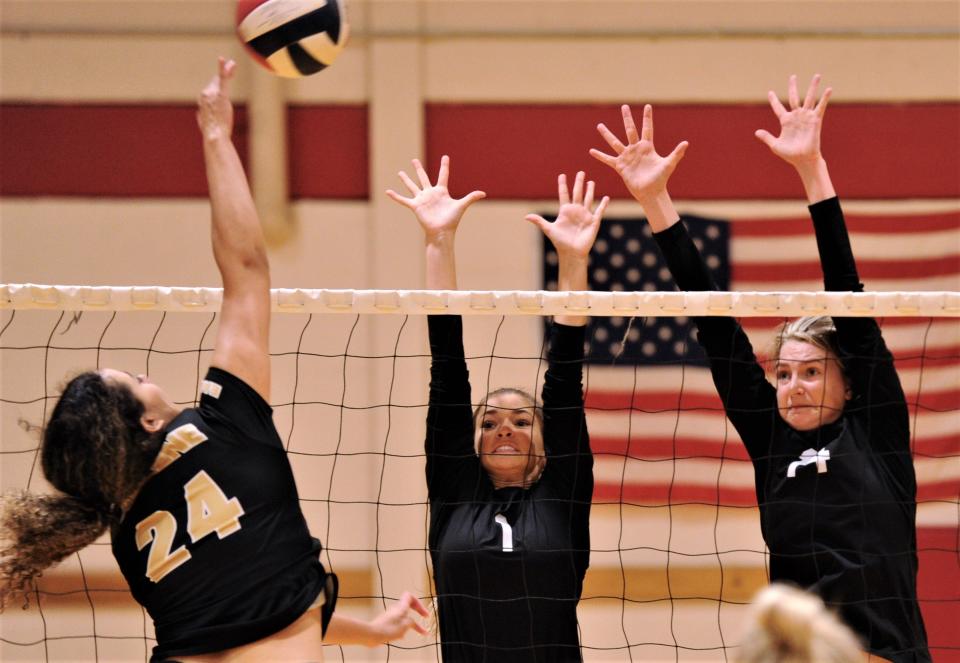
151 423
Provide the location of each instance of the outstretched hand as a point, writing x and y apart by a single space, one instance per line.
437 212
575 229
643 170
799 139
399 618
214 110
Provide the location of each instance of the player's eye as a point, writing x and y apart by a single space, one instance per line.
813 371
783 376
522 423
488 425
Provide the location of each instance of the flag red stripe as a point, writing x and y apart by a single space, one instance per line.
329 148
154 150
923 165
143 150
782 271
695 401
932 491
942 446
894 224
682 493
661 494
661 448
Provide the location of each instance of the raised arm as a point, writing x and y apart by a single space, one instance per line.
749 400
238 245
439 215
573 235
567 443
867 361
449 441
799 141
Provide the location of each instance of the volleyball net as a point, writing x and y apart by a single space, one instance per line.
676 551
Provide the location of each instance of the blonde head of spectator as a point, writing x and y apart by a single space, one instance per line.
787 625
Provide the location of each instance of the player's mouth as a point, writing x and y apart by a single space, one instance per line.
506 449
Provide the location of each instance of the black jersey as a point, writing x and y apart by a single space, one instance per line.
837 504
508 564
215 545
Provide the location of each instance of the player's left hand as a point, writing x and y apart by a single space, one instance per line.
399 618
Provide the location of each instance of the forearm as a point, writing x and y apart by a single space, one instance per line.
572 276
238 244
659 210
441 262
816 179
833 244
349 631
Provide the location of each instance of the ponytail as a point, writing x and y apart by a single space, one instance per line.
39 531
97 454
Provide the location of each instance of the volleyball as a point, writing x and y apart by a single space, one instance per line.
293 38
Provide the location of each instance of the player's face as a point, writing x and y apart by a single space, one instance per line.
158 409
811 387
510 439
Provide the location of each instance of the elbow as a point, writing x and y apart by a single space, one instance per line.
255 260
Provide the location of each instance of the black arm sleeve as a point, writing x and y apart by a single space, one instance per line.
749 400
569 459
449 442
867 362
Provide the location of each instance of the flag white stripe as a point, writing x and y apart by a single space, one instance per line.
714 427
732 473
931 283
866 246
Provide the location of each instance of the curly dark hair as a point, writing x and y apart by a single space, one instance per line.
97 454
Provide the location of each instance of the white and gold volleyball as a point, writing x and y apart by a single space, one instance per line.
293 38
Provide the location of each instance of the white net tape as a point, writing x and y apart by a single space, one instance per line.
518 302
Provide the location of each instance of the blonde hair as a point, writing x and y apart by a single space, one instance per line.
816 330
787 625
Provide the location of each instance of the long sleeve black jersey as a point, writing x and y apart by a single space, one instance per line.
215 546
837 504
508 563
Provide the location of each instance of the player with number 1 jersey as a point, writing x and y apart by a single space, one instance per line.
510 484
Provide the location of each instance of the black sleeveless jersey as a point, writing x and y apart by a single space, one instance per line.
837 504
215 546
508 563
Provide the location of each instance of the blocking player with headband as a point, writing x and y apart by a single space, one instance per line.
510 483
201 502
830 438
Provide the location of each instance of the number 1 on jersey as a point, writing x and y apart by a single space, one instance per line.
507 532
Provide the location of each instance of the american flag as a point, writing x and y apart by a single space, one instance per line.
657 426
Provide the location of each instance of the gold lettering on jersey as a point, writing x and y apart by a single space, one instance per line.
209 510
159 528
178 442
